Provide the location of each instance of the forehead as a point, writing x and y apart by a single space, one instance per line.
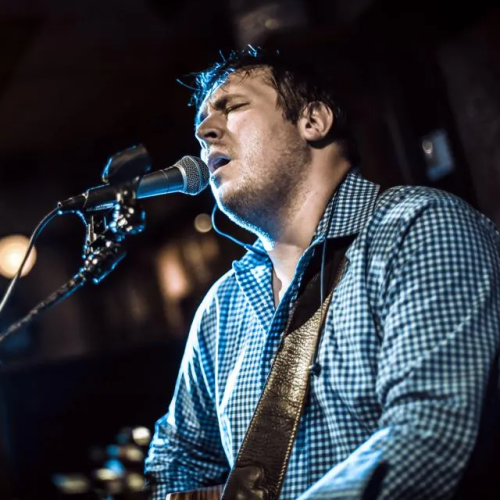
254 84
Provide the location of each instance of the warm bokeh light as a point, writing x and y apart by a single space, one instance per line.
12 250
174 280
72 484
203 223
141 436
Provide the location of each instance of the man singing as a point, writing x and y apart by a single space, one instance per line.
403 401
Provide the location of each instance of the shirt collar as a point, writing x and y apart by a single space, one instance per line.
349 209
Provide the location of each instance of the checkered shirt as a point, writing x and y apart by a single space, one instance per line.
410 337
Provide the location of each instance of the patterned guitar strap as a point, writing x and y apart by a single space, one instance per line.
264 455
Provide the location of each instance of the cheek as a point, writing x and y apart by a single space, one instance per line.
258 145
251 139
247 131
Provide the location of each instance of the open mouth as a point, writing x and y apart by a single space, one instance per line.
219 162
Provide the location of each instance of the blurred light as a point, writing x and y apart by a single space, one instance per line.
135 481
106 474
437 155
428 147
138 304
203 223
254 20
115 466
141 436
128 452
211 250
12 250
272 24
71 484
173 278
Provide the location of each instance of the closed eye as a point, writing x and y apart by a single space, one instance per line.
233 108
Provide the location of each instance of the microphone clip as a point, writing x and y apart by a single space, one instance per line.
126 166
103 248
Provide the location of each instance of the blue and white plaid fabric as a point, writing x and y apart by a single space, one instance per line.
410 337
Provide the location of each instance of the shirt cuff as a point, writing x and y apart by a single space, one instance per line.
357 477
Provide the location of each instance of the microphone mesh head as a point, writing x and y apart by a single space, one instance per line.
195 173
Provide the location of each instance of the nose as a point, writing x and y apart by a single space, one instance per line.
209 131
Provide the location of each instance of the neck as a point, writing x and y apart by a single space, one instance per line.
297 228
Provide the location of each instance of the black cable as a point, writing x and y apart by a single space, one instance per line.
323 256
315 368
246 246
36 233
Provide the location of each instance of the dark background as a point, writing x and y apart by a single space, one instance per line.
82 80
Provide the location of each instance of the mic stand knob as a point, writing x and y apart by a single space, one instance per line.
103 251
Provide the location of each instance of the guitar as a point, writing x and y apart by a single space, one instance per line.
212 493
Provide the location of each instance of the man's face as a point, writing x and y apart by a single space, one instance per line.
256 157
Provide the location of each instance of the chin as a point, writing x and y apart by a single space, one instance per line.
227 203
230 201
225 192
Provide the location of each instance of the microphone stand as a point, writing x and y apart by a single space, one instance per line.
103 248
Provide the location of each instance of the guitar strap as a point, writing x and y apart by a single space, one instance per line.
262 460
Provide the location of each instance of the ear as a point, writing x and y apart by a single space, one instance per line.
316 121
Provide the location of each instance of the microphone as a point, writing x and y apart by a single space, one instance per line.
189 175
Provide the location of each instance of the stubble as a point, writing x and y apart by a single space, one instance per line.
265 200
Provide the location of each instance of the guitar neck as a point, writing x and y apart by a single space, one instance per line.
212 493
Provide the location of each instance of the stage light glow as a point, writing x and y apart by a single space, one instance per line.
141 436
203 223
12 250
174 280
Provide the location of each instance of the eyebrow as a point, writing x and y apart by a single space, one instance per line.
219 104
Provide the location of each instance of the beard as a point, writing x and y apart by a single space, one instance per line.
262 198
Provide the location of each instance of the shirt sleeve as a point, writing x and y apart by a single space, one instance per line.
186 451
439 312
